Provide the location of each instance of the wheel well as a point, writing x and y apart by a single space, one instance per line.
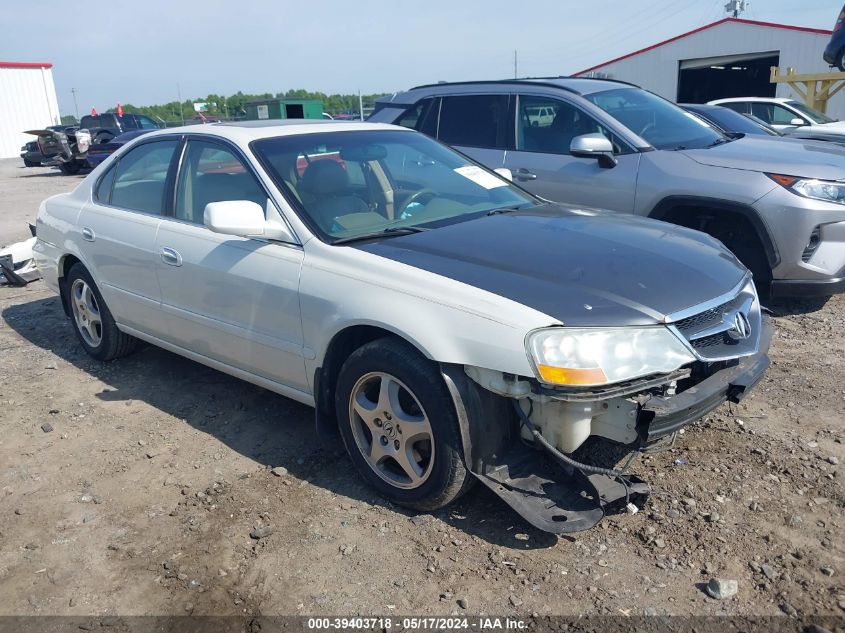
325 377
64 266
725 223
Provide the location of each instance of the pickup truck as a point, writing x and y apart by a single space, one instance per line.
68 149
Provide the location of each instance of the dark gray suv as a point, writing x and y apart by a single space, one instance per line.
779 206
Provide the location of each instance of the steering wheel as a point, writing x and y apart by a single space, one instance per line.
415 197
647 128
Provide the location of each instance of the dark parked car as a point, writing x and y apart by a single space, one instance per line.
834 54
68 149
729 121
98 153
31 153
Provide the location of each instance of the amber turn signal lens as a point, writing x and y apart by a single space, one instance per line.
562 376
784 181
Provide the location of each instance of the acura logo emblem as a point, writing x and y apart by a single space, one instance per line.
741 328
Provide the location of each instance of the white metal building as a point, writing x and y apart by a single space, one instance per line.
728 58
27 101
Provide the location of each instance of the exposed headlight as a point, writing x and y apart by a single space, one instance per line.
599 356
826 190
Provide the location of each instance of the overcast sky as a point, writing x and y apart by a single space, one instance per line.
138 51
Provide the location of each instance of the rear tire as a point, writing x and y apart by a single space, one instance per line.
92 321
29 163
70 168
399 425
840 60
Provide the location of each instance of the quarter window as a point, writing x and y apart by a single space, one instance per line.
103 191
474 121
141 176
421 117
212 173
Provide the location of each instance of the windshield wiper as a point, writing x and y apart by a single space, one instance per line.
390 231
499 210
722 141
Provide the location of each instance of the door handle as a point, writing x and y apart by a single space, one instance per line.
524 174
170 256
87 234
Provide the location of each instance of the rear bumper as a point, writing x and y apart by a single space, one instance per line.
661 416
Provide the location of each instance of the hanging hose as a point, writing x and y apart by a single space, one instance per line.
542 441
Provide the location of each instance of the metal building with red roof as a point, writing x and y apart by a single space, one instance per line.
728 58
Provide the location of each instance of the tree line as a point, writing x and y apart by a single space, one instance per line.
234 106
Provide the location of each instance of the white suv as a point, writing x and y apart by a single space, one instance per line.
780 113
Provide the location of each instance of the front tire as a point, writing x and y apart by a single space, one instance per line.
92 321
840 60
399 425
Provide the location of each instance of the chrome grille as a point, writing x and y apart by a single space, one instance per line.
729 329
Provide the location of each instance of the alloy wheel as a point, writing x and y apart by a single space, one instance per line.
391 430
86 312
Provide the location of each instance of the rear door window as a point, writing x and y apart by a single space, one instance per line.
474 121
736 106
141 177
421 117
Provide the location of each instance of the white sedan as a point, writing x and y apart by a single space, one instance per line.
450 325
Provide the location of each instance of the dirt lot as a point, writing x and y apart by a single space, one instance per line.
132 488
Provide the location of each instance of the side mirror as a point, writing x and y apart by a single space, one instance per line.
798 122
235 217
596 146
505 173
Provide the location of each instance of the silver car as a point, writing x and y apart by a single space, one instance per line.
452 326
780 207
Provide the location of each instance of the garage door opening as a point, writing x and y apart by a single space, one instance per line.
702 80
294 111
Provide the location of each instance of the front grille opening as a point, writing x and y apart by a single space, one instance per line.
713 340
701 320
812 245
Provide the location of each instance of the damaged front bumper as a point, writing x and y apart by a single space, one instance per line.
560 498
662 416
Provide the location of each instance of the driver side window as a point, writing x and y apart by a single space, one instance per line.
212 173
773 113
548 126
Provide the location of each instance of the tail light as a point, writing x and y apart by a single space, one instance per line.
83 141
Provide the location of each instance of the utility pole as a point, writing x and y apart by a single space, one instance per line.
736 7
179 95
360 106
75 104
515 66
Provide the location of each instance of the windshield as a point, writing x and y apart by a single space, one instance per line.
351 184
663 124
814 115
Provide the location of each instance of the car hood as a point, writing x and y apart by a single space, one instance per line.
581 267
793 157
836 126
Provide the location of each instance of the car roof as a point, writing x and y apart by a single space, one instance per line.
575 85
743 99
247 131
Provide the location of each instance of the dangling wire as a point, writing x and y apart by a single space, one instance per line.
542 441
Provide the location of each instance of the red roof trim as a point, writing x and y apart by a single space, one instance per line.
26 65
787 27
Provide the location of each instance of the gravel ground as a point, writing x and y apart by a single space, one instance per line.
133 487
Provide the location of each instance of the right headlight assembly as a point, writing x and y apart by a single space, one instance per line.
827 190
590 357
